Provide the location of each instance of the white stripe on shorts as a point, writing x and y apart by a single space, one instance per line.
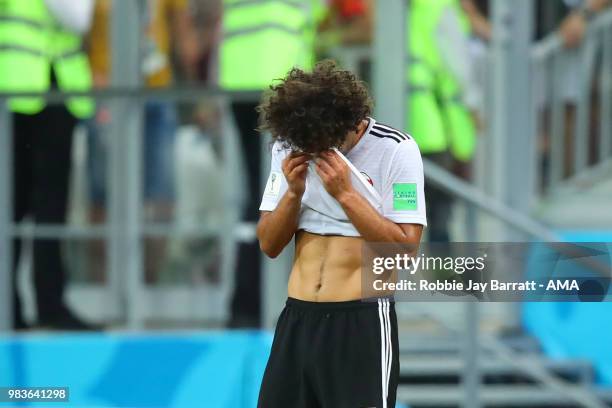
389 347
383 351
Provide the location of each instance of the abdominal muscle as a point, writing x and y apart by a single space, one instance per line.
326 268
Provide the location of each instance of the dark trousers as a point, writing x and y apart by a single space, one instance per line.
439 203
42 145
246 300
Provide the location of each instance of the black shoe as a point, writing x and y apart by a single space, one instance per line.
68 321
19 324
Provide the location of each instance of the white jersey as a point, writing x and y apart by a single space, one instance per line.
386 169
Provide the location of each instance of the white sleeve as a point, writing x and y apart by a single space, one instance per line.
74 15
276 184
403 192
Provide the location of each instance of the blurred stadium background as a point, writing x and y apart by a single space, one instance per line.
157 243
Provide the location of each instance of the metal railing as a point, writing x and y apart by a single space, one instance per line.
125 292
572 89
6 217
582 394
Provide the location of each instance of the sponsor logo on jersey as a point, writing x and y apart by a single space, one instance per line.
404 196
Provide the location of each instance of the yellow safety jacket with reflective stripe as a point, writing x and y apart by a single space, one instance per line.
31 43
437 117
263 40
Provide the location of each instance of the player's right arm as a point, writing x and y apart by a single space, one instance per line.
276 228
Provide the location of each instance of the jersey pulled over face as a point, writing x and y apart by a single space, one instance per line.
386 169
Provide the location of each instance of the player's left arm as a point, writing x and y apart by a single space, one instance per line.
373 227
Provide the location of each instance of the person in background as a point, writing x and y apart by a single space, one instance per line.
572 30
259 43
41 50
347 22
445 97
207 20
167 34
347 25
569 20
569 17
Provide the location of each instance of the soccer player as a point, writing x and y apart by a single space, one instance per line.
338 179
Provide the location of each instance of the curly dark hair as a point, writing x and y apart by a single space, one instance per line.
314 111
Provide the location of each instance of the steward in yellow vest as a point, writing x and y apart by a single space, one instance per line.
262 41
438 119
36 55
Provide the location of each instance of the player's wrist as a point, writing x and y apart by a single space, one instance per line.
344 197
295 194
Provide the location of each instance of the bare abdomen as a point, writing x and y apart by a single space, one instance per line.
326 268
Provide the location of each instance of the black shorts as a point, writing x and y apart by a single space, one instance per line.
333 355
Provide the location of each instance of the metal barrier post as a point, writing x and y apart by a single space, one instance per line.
6 218
605 96
471 378
512 121
471 348
512 124
583 106
557 123
125 162
389 69
500 42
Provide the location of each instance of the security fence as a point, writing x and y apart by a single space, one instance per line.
123 297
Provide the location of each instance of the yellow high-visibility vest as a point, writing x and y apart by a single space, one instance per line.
438 120
263 40
31 43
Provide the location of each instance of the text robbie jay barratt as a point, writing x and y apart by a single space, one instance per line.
493 285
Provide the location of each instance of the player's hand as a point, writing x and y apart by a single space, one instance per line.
294 168
335 174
